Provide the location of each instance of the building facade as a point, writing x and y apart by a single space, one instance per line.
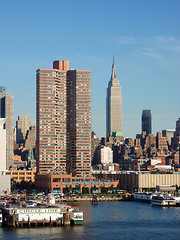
22 126
2 145
63 115
146 121
161 142
5 183
113 105
169 134
106 155
61 183
51 119
6 111
22 175
140 181
176 138
30 140
79 122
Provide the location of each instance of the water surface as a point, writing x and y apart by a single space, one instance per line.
110 220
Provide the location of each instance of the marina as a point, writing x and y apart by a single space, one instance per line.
32 213
47 210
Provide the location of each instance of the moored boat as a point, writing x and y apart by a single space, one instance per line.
163 200
0 218
177 200
76 216
142 197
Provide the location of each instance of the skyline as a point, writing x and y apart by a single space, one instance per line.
144 37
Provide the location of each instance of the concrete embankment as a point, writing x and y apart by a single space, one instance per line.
89 199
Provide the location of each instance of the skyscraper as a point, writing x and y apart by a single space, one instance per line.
2 145
63 115
22 126
79 122
113 105
146 121
6 111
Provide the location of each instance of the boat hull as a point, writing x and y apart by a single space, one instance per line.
76 222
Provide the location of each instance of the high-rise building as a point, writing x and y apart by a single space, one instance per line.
6 111
161 142
79 122
63 115
2 144
146 121
113 105
176 139
51 119
30 140
22 126
169 134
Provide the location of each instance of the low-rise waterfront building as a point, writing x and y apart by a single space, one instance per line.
63 182
22 175
140 181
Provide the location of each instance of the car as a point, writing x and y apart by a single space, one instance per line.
31 205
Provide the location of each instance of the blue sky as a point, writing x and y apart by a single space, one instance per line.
144 35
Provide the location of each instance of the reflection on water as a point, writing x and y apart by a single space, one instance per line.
110 220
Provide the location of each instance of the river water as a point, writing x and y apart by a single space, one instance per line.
110 220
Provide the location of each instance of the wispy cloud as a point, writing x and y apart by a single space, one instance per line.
153 46
163 42
150 52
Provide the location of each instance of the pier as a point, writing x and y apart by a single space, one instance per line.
38 217
94 200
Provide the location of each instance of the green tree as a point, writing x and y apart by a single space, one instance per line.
104 189
85 190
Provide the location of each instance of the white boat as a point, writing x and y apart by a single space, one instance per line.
163 200
142 196
76 216
0 218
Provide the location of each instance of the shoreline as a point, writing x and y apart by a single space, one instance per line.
104 199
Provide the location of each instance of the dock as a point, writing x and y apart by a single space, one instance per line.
38 217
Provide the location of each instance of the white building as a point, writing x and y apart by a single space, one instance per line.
5 183
106 155
155 162
2 145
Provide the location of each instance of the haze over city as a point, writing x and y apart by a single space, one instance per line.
143 36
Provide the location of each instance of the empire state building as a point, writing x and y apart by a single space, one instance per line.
113 105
